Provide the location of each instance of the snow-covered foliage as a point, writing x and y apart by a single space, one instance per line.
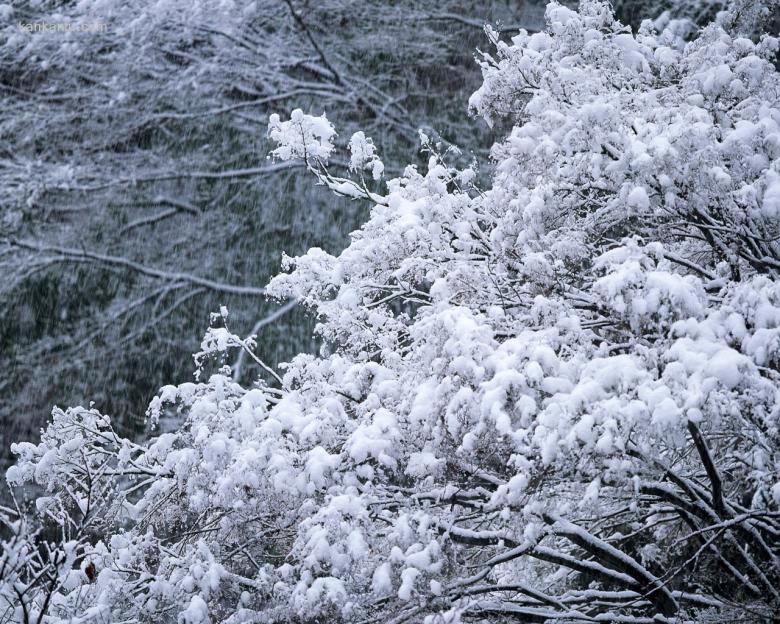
556 399
303 137
686 17
136 192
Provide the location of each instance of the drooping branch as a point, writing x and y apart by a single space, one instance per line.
649 584
63 254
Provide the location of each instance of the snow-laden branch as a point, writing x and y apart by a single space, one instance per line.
263 322
63 254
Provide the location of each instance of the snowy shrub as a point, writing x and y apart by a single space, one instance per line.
556 399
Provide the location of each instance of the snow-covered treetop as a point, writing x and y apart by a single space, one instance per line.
302 137
553 399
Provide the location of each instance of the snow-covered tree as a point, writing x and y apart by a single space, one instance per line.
685 17
136 195
555 399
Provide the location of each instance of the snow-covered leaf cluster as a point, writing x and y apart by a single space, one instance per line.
302 137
